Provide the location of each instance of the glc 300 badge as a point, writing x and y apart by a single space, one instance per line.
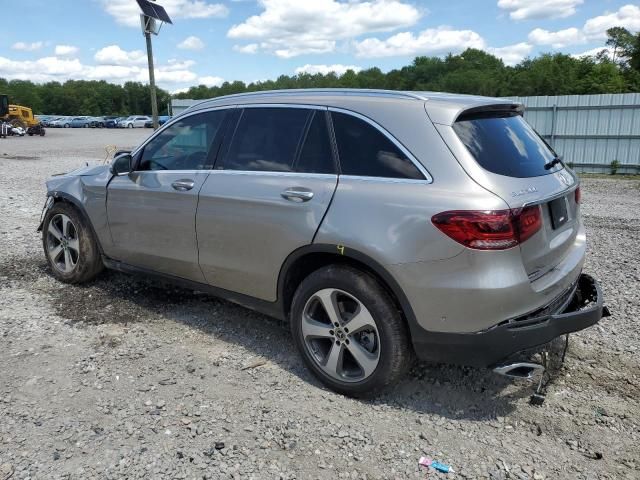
524 191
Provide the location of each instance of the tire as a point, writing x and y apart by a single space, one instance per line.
130 125
66 125
79 240
381 341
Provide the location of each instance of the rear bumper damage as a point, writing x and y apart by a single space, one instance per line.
579 307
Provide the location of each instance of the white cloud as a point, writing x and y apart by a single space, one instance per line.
191 43
48 69
594 29
539 9
627 16
338 69
41 70
127 12
512 54
65 50
174 64
251 48
608 52
27 47
164 75
210 81
288 28
559 39
433 41
114 55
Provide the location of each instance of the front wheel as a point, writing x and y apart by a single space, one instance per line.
131 125
69 245
349 332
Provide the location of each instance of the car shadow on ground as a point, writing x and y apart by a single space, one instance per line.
460 393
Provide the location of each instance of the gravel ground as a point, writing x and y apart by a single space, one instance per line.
124 378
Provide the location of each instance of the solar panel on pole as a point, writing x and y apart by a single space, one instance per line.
154 10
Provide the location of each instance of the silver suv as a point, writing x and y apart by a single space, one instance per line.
382 225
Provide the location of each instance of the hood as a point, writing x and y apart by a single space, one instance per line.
54 182
87 171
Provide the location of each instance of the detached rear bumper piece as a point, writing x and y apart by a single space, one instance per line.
579 307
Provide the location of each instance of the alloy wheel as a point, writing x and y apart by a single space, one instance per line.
341 335
63 245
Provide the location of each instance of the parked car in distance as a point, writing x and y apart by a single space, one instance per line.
98 122
112 122
60 122
80 122
45 119
134 121
381 225
162 119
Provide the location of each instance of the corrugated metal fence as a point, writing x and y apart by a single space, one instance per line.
589 131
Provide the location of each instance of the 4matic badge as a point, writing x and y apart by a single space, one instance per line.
524 191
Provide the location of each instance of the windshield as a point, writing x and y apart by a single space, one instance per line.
505 144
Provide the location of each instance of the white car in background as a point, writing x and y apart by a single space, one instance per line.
134 121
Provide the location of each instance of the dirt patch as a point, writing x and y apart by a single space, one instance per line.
20 157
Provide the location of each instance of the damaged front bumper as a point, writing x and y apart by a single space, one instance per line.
580 307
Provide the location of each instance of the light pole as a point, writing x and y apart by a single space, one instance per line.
151 18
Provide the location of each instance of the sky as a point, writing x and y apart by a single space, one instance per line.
212 41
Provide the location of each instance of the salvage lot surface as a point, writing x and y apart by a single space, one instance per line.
123 378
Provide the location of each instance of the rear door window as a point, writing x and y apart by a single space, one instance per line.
267 139
365 151
505 144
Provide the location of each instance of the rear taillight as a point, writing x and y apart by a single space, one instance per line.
490 229
578 195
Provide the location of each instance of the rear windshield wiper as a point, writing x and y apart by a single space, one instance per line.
553 163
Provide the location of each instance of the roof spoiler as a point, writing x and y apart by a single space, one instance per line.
497 109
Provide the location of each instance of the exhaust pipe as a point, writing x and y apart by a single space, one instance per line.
519 370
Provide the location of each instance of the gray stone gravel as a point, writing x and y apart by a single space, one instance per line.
124 378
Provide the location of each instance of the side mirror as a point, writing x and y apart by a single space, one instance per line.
121 165
120 152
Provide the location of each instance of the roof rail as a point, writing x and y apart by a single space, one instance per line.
324 91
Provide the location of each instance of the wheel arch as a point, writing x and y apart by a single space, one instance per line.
62 197
307 259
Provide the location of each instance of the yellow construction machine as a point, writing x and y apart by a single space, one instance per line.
19 116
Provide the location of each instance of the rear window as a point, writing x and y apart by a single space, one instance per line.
506 144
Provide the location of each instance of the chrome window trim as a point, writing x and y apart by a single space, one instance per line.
186 172
267 173
363 178
427 176
174 120
428 179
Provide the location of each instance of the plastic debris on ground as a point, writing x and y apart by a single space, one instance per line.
440 467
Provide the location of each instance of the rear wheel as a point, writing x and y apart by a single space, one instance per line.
69 246
349 332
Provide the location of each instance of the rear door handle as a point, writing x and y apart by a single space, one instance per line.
297 194
183 185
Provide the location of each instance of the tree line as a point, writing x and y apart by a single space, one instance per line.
84 97
473 72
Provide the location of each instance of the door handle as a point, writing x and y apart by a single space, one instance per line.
297 194
183 185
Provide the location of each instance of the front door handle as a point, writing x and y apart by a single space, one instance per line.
297 194
183 185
